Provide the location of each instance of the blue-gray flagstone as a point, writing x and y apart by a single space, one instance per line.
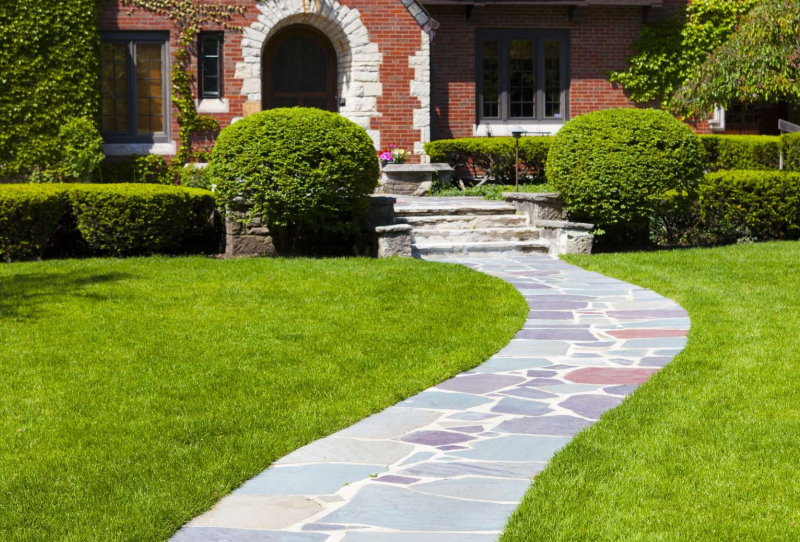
452 462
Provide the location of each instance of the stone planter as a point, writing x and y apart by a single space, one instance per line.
412 179
546 213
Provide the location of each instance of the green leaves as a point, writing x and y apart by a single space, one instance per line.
759 63
668 51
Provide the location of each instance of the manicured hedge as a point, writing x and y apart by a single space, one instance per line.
751 204
614 168
741 152
791 151
111 219
493 157
30 215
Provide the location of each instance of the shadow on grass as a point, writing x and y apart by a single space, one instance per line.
22 296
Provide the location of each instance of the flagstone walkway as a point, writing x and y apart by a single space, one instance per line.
452 463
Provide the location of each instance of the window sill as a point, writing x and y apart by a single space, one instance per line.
127 149
488 129
213 105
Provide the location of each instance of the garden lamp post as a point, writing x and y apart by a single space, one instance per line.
516 133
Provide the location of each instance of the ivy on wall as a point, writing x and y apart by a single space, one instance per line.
189 17
668 51
49 62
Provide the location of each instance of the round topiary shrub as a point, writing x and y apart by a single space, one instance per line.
618 167
298 169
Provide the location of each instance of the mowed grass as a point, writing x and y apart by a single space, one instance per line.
709 448
135 393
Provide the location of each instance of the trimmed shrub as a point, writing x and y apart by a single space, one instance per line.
616 167
150 168
302 170
790 143
741 152
494 157
49 61
29 218
125 220
110 219
751 204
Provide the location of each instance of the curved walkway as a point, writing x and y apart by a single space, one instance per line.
452 463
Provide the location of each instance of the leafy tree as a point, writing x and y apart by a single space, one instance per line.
759 63
668 51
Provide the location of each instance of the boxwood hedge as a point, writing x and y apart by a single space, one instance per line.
110 219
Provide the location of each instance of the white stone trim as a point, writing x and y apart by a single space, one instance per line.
359 60
421 89
127 149
213 105
488 129
717 120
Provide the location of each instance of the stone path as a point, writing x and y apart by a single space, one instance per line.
452 463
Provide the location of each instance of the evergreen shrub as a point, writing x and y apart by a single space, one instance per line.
741 152
615 168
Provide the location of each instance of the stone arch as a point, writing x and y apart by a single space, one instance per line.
358 59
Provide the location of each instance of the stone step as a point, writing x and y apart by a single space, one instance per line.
492 249
464 221
474 235
448 210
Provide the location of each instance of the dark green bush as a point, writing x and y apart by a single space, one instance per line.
494 157
195 177
49 65
105 219
123 220
791 151
616 167
741 152
150 168
29 219
751 204
79 153
302 170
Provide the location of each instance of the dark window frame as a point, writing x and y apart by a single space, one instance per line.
203 94
539 37
130 39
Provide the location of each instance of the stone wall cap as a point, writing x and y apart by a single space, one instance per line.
564 224
424 168
394 228
530 196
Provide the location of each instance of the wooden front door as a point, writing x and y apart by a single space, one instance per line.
299 70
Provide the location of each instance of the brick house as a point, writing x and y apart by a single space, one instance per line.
408 71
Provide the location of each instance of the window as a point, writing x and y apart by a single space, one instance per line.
209 56
522 75
133 86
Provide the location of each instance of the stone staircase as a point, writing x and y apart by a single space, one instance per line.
468 227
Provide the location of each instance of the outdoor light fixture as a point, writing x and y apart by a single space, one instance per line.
516 134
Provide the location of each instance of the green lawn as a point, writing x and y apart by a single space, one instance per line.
492 191
135 393
709 449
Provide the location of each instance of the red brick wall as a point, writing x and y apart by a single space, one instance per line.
389 25
600 41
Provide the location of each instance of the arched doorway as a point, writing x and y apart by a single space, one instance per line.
299 70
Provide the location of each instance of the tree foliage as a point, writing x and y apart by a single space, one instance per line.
759 63
668 51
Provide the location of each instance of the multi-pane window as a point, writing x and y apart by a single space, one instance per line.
210 57
522 75
133 86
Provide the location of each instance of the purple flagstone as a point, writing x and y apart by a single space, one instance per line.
544 425
598 344
451 447
556 334
621 390
479 383
394 479
542 372
544 382
468 429
636 314
436 438
551 315
654 362
590 406
529 393
558 305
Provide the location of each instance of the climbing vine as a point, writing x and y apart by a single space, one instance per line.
189 17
